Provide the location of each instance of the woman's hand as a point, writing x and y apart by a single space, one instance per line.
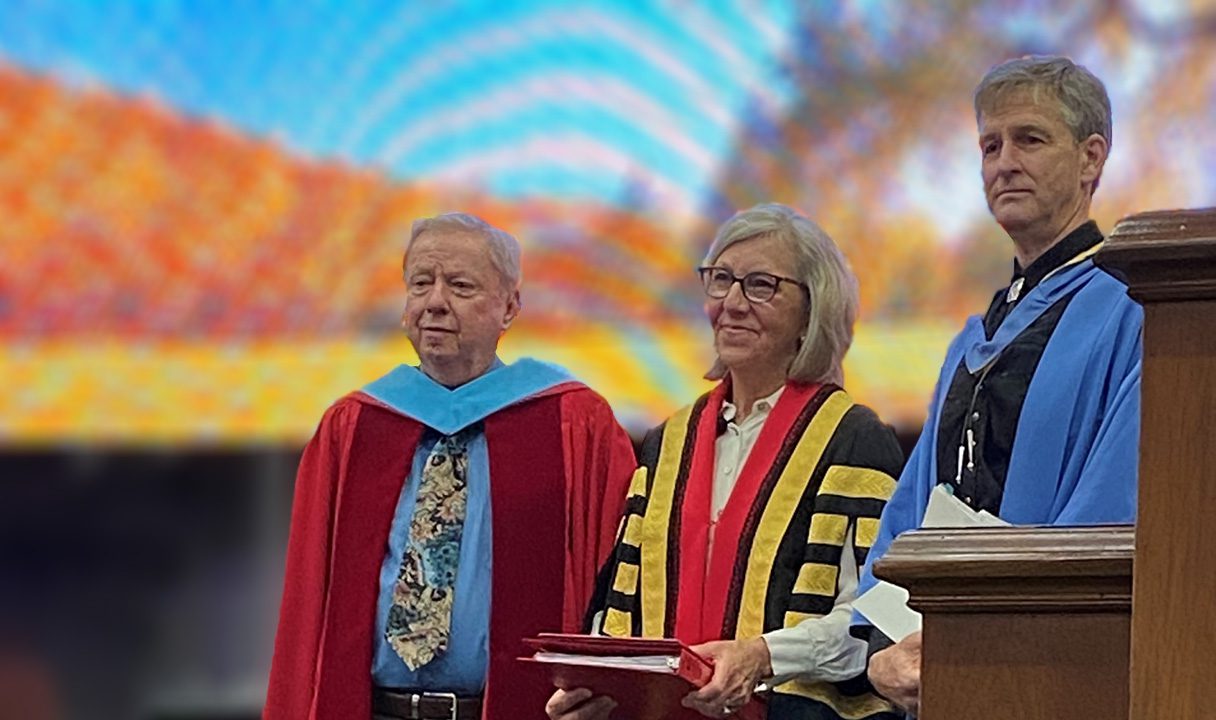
738 666
578 704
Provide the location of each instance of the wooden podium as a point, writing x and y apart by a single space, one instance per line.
1038 623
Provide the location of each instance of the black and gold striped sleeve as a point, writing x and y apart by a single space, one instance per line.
616 592
866 461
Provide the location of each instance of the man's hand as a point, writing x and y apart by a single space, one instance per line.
895 673
738 666
578 704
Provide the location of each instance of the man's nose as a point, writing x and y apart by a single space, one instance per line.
436 299
1008 159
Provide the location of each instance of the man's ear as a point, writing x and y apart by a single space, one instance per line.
513 308
1094 151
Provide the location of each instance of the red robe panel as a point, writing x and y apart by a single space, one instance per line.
559 471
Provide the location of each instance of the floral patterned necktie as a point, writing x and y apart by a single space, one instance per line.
420 619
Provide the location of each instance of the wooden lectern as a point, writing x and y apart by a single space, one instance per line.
1039 623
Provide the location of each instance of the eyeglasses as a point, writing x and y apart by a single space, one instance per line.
757 286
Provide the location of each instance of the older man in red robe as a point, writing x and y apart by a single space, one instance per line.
444 512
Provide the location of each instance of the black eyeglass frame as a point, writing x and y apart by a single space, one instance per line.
777 280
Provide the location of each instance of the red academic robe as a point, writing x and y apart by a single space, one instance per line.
559 466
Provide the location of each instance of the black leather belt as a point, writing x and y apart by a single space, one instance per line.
389 704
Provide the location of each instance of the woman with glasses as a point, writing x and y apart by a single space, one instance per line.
752 512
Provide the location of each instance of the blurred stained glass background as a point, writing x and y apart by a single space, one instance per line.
203 208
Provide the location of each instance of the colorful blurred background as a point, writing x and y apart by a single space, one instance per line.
203 207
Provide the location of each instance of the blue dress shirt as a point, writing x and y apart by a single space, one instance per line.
462 667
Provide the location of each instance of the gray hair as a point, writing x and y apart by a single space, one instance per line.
832 309
503 247
1079 94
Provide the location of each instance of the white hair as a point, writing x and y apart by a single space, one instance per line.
503 247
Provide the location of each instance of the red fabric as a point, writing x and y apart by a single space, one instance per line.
381 452
294 670
350 477
704 591
599 464
696 513
526 489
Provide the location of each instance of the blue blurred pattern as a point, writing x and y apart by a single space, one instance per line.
423 89
201 213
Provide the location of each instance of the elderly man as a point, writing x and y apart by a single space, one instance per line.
444 512
1036 412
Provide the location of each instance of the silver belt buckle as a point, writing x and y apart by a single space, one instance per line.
446 696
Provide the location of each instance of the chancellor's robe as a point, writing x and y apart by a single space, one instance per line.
814 483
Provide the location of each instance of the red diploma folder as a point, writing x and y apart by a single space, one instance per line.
647 677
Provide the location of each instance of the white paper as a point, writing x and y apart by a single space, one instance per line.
645 663
947 511
886 605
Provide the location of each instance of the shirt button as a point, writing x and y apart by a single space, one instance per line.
975 417
967 499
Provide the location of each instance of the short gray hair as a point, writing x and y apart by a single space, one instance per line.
1080 95
503 247
832 309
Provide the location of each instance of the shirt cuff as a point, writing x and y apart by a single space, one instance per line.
803 652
